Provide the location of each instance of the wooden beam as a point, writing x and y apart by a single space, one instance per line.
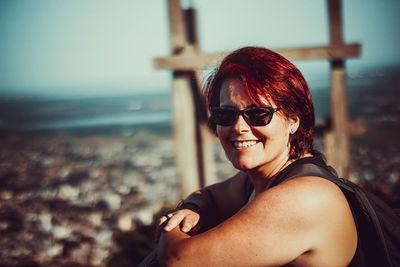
185 137
339 154
332 52
335 21
193 141
177 26
354 128
191 60
184 108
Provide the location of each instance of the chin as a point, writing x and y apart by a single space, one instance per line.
244 166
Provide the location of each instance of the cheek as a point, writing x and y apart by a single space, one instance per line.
224 136
281 140
274 136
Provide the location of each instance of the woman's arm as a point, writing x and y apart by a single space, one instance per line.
295 218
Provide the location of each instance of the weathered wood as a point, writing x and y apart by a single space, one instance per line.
354 128
192 141
339 157
177 26
208 167
184 124
335 22
329 146
188 60
184 110
191 26
205 139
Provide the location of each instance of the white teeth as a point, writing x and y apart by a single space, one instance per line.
244 143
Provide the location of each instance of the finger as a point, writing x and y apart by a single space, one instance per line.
189 222
174 221
164 218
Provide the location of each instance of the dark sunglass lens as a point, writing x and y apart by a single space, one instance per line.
259 116
224 117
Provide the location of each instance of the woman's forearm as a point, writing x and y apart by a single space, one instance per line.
170 246
204 204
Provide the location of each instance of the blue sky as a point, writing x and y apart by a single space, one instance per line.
98 47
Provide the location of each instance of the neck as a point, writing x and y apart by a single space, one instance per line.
263 176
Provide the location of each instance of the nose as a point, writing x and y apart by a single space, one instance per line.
241 125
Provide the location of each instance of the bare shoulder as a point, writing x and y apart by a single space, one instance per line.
317 192
309 196
310 188
320 209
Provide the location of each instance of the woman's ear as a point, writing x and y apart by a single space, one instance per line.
294 123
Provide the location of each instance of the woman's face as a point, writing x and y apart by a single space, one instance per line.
249 147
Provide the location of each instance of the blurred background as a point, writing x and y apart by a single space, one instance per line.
86 139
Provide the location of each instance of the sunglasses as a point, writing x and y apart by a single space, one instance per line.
254 116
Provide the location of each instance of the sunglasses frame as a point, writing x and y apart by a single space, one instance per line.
242 112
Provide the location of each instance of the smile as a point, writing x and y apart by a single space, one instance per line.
239 144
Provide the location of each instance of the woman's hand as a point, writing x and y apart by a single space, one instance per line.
186 218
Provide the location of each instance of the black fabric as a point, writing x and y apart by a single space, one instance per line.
151 260
378 226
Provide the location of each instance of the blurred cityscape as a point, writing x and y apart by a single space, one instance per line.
80 181
63 197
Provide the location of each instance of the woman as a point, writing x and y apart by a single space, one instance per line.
262 113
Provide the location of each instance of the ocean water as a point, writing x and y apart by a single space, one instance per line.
133 118
35 113
372 99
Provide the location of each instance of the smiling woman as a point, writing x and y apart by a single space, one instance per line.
263 116
241 82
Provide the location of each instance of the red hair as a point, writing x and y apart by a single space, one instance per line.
266 74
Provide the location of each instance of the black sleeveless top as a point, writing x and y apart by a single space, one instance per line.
292 170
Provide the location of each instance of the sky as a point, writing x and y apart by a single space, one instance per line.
93 47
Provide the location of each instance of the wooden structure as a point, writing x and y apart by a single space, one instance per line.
193 141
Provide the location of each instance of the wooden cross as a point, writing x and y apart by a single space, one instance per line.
194 142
